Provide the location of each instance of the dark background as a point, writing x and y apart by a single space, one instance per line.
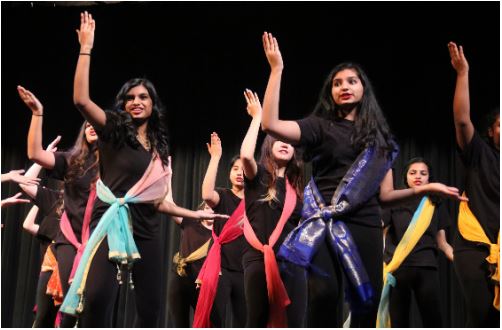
201 57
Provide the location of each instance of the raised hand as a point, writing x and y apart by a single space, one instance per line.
31 101
16 176
271 47
253 104
52 146
458 60
86 32
14 200
214 148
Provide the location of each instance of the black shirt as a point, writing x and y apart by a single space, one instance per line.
398 218
120 167
231 253
328 141
482 187
47 201
264 216
76 192
193 236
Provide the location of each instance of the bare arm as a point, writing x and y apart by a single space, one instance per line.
15 176
172 209
209 194
285 130
92 112
248 146
443 244
169 196
391 196
464 129
14 200
29 222
36 152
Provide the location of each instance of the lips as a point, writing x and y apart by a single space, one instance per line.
417 182
239 179
345 96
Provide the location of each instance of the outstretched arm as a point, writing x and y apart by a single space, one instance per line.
209 194
285 130
14 200
91 112
172 209
248 146
390 196
29 222
464 129
443 244
36 152
15 176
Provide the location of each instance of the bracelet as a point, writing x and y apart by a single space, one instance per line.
85 54
37 115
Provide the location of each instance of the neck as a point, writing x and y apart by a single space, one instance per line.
238 191
348 113
280 171
141 128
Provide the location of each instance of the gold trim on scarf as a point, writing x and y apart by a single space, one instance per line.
180 262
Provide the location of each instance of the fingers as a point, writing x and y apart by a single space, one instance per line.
215 139
54 142
17 171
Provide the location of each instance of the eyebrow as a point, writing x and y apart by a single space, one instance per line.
350 77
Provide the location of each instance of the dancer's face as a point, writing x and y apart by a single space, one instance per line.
90 134
236 174
347 87
138 102
282 153
417 175
494 132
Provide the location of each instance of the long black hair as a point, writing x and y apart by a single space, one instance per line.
414 161
157 129
82 153
371 128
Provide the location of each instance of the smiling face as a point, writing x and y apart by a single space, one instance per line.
347 87
90 134
282 153
138 102
417 175
237 175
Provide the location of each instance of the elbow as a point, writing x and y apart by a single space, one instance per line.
80 102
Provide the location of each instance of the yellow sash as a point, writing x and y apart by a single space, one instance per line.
471 230
180 262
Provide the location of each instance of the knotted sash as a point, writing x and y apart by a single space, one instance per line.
198 254
277 296
116 225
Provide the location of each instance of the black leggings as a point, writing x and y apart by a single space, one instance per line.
424 282
46 311
181 296
65 254
102 286
326 280
473 275
255 287
230 290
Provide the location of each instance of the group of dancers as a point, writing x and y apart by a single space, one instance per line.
276 252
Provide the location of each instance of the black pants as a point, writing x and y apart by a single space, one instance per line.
255 286
46 311
102 287
473 275
230 291
181 296
65 254
424 282
326 280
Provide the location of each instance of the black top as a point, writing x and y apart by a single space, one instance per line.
76 192
482 186
264 216
398 218
231 253
328 141
120 167
193 236
47 201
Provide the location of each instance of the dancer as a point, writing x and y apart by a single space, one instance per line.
352 151
228 288
273 189
132 187
477 244
418 273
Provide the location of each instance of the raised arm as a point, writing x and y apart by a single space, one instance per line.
464 129
36 152
209 194
285 130
91 112
29 222
248 146
390 196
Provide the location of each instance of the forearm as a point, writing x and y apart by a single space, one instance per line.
461 101
270 116
36 151
29 222
174 210
248 146
208 185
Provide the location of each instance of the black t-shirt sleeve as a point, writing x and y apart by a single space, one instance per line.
471 154
114 127
46 199
60 166
443 217
311 131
